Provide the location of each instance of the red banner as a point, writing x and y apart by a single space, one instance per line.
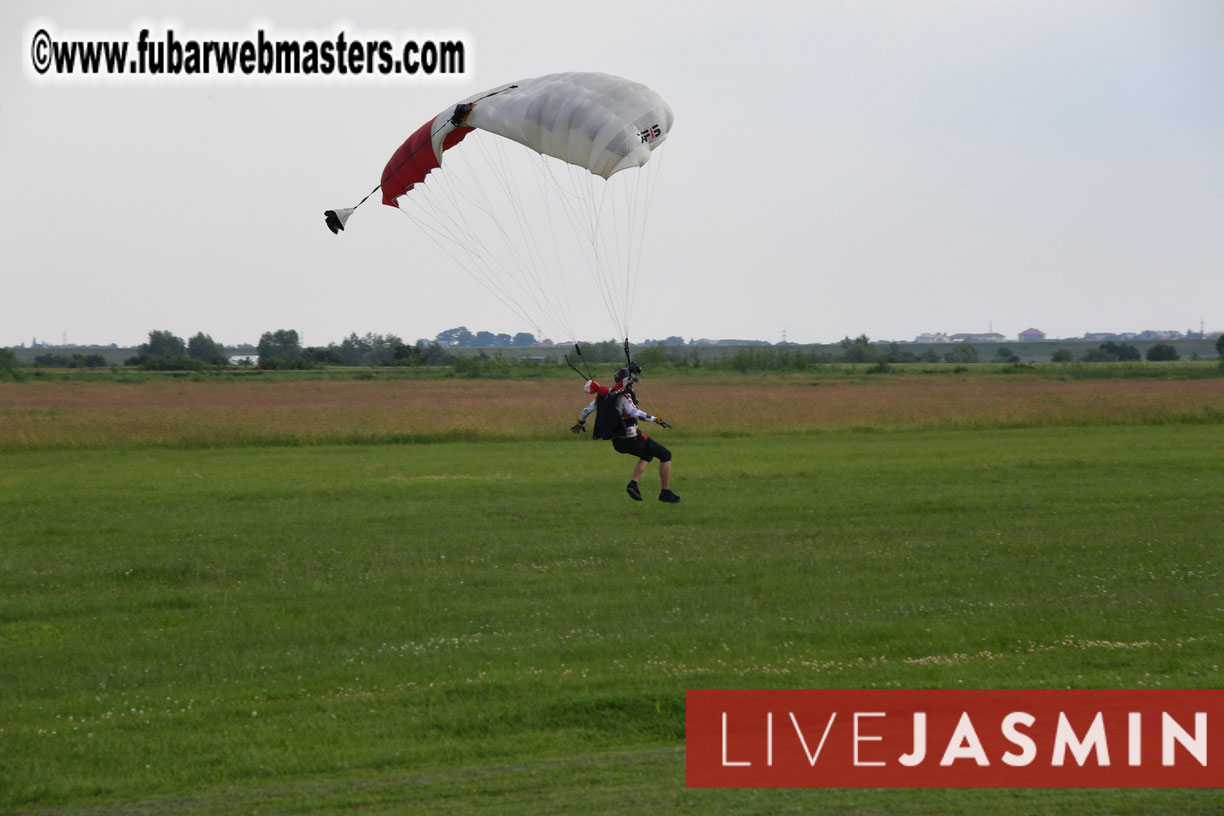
949 738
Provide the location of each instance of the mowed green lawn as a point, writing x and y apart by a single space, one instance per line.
497 628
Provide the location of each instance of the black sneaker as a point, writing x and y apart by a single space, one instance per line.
669 497
632 490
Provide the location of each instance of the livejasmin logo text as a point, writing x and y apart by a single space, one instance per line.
954 738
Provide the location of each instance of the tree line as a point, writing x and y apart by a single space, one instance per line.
1112 352
282 349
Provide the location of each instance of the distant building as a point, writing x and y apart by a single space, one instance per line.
928 337
1031 336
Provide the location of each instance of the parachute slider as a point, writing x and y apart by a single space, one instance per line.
459 117
461 114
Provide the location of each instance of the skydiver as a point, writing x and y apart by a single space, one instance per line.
619 422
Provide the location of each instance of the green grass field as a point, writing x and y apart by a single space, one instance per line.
495 628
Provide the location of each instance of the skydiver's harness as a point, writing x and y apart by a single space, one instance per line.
610 423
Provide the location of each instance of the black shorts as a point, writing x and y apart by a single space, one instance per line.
642 448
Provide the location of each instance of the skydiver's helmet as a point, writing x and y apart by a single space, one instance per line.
625 378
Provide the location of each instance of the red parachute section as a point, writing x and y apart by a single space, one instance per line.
415 158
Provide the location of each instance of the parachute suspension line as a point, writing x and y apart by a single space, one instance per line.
541 181
568 195
632 259
441 223
440 206
558 286
622 273
621 268
590 224
451 226
602 268
511 262
515 262
648 177
631 269
645 182
596 235
472 266
576 192
549 288
605 262
444 207
544 281
614 267
509 258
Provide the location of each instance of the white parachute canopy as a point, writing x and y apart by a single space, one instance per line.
548 195
596 121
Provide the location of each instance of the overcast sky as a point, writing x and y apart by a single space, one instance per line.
835 168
